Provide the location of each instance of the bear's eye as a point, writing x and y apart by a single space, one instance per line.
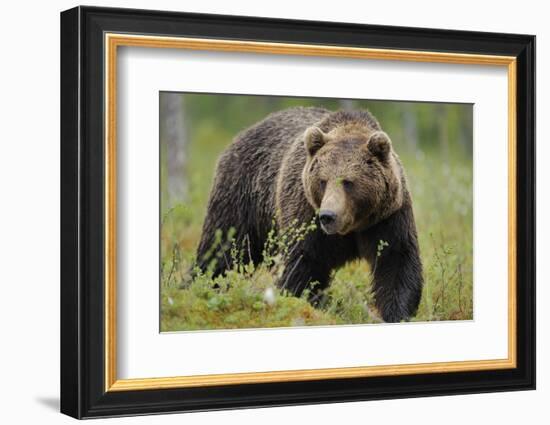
323 184
370 161
347 184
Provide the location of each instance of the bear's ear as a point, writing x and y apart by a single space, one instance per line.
379 144
314 139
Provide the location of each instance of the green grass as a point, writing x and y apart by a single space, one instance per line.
248 297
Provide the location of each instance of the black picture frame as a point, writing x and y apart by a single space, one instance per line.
83 392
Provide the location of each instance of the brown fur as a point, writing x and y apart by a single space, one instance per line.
301 160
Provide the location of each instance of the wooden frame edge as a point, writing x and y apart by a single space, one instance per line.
114 40
512 212
306 375
110 212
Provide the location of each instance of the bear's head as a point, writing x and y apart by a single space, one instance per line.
352 177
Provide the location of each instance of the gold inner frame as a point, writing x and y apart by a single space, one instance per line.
113 41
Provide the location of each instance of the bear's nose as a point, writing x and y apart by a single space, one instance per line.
327 217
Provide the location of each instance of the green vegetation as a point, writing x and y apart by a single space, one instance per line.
434 144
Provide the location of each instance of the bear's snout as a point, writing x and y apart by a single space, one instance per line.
327 218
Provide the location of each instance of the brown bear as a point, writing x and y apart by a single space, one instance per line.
338 168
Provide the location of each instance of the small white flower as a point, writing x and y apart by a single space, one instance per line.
269 296
170 301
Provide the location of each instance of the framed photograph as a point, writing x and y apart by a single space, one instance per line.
261 212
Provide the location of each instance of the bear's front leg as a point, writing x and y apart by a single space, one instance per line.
391 247
308 266
303 272
311 262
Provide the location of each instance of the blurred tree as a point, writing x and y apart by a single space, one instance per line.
347 104
443 129
410 129
173 131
